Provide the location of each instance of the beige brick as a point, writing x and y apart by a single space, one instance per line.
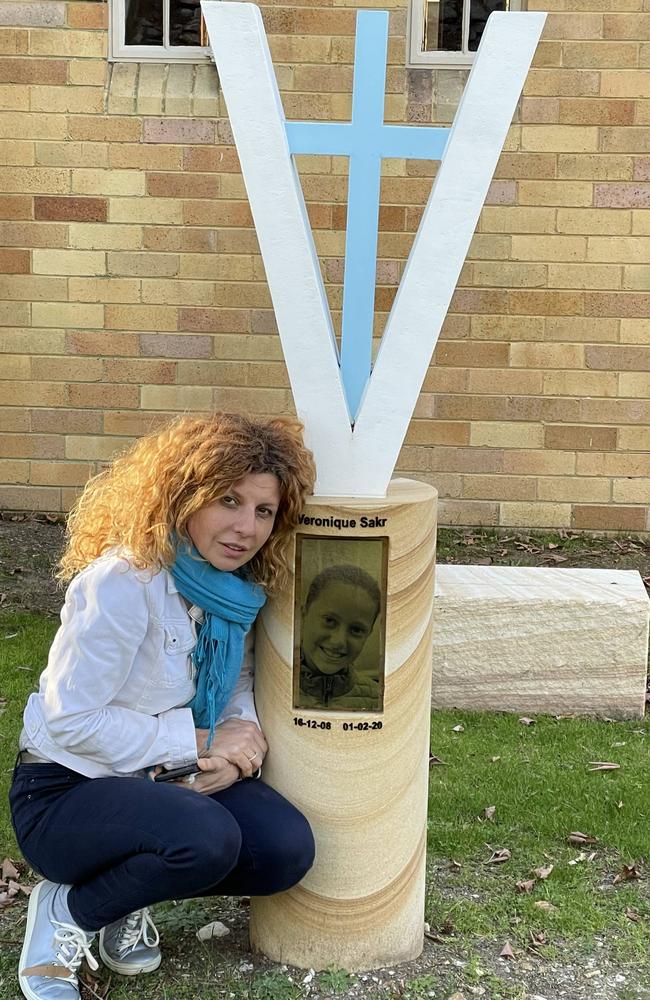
504 381
62 421
574 489
140 371
14 314
178 92
31 446
630 490
161 211
30 498
64 42
579 384
67 314
176 398
609 518
30 287
134 423
600 167
594 464
584 276
617 84
102 342
125 156
13 98
34 394
439 432
68 369
59 473
86 72
630 250
68 262
149 264
508 328
32 126
641 223
150 89
34 179
75 100
21 341
16 153
94 449
549 248
140 318
217 267
635 331
510 275
69 154
507 219
15 366
547 356
498 488
634 384
584 329
108 182
596 221
267 401
94 396
12 471
467 512
579 193
190 293
634 439
599 54
122 290
535 515
90 236
637 277
624 140
486 246
506 435
559 138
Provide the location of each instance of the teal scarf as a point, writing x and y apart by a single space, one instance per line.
231 604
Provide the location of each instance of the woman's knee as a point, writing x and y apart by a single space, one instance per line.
286 856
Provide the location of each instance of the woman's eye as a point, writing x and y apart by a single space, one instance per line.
229 501
265 512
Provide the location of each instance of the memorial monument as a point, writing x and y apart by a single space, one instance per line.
344 654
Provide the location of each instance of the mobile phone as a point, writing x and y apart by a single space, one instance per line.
178 772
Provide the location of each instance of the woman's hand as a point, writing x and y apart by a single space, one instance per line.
240 742
221 774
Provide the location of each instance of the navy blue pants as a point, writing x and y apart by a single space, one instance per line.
124 843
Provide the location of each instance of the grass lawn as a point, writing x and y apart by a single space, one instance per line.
535 783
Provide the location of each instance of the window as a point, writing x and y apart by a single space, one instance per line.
158 31
447 32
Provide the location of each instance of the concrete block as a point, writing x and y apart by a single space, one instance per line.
520 639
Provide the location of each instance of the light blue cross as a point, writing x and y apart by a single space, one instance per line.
365 140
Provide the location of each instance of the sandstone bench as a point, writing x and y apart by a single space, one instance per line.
520 639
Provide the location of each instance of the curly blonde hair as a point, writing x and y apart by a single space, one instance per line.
151 491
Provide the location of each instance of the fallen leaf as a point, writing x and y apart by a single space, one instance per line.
525 721
619 805
581 838
553 545
527 886
507 952
494 759
537 938
433 760
432 936
453 865
489 812
632 914
602 765
458 729
543 904
627 873
498 857
9 870
447 926
212 930
543 873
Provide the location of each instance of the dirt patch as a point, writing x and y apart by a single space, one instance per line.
30 547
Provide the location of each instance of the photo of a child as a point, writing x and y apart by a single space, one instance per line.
339 669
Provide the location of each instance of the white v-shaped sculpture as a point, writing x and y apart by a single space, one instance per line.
356 454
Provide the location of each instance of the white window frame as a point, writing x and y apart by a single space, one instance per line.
416 56
120 52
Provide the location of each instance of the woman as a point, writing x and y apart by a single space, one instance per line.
170 553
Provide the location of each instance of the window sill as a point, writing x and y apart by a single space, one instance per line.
175 89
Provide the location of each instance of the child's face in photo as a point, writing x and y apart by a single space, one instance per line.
336 625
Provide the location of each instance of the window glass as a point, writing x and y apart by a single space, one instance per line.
144 22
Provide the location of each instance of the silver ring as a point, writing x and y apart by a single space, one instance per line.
190 779
253 757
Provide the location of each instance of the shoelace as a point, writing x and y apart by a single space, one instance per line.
135 928
72 946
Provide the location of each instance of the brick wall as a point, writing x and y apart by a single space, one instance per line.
133 287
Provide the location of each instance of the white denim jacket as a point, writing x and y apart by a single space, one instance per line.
118 670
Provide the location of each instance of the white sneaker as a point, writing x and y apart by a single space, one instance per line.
130 945
54 946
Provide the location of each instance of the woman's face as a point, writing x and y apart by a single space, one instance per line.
231 530
336 625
